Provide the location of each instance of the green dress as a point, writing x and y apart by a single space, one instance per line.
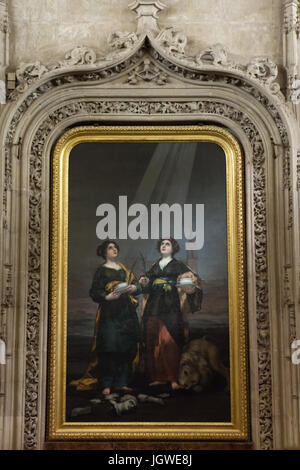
118 329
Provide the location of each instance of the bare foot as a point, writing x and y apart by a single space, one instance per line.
176 386
156 383
106 391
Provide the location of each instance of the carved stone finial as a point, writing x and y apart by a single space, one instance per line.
147 15
172 41
263 69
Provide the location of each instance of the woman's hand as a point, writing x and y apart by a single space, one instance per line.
144 281
189 289
113 296
131 289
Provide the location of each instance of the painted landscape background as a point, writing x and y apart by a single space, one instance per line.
148 173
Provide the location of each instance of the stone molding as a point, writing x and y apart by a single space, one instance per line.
215 58
147 14
291 16
291 46
147 71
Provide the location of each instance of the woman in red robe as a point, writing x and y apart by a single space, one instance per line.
165 327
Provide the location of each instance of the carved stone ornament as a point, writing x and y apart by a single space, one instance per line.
122 41
2 92
155 108
147 72
291 17
169 42
7 298
216 54
4 24
294 90
154 58
4 48
81 55
264 70
147 11
27 74
142 108
172 40
291 45
298 171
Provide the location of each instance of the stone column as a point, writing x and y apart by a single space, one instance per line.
147 15
291 48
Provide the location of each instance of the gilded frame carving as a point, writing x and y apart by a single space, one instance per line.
238 428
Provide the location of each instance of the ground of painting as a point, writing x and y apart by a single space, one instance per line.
210 405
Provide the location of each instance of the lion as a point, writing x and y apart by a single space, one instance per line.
198 363
194 372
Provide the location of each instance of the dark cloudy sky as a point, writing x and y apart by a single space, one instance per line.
101 172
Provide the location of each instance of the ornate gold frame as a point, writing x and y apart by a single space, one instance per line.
238 428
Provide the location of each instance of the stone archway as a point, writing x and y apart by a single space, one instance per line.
147 77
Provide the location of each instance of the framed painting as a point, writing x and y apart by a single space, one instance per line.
147 290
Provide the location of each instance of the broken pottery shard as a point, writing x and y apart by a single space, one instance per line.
81 411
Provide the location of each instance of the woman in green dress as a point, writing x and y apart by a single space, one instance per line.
118 331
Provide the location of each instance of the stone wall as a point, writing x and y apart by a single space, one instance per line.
45 30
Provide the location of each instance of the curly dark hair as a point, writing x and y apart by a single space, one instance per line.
175 246
101 249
